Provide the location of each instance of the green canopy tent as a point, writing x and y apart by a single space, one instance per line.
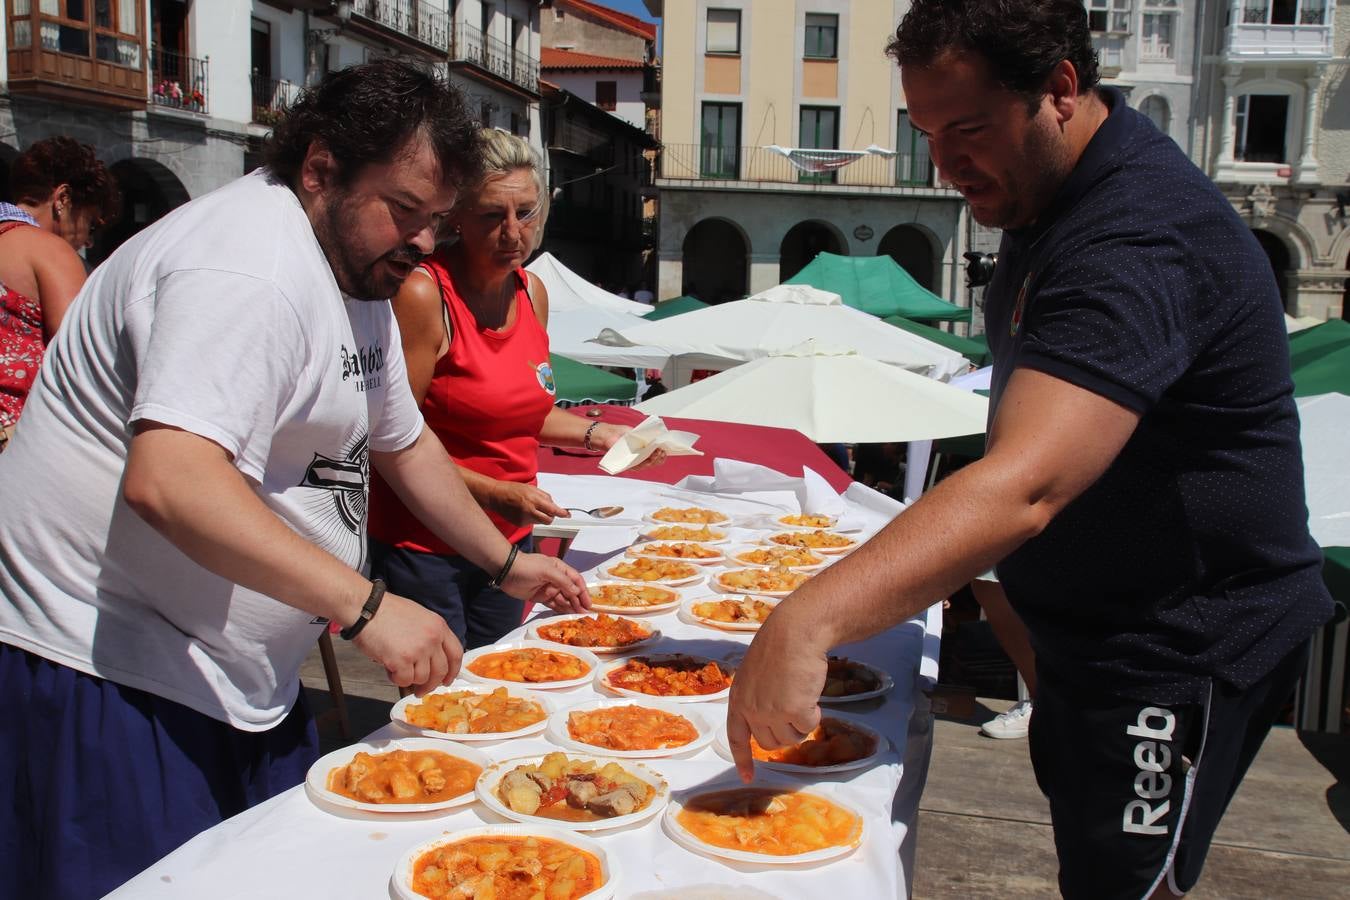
579 383
877 285
674 307
975 349
1320 351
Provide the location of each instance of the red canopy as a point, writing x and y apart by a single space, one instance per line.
782 449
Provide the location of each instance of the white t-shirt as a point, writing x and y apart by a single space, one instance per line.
222 319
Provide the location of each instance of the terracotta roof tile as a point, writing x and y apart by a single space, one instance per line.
553 58
628 23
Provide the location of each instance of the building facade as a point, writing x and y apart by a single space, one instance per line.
178 95
1273 130
749 88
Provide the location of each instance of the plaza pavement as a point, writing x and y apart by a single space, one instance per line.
984 828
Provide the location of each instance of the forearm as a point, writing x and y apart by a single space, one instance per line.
956 531
431 487
562 429
188 490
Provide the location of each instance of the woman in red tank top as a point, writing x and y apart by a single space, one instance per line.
62 193
474 335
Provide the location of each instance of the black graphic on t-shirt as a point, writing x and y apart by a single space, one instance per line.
364 365
346 479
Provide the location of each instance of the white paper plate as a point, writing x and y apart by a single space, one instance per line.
598 606
661 582
717 583
557 728
590 659
637 551
723 748
602 679
687 611
317 778
533 634
399 714
687 840
782 522
719 524
718 529
486 790
824 551
609 865
886 683
733 558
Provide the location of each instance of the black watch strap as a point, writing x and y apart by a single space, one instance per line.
367 612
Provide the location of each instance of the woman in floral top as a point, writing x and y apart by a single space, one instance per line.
63 193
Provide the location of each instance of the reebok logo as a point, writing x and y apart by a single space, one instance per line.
1152 756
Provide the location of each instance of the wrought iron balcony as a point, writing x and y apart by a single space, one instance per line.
1293 33
271 99
179 82
494 56
415 20
755 167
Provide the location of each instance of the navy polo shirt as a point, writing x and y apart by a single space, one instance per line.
1190 558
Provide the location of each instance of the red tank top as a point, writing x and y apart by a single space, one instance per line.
21 345
487 402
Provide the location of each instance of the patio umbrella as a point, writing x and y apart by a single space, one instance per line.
830 397
580 383
674 307
878 285
778 319
975 349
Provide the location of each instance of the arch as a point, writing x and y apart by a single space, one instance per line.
1158 111
1345 294
715 261
7 157
803 241
1277 251
149 190
914 249
1300 244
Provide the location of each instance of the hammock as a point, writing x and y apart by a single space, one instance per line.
810 160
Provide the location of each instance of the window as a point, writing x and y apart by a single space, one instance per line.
913 165
1284 12
1259 125
1159 21
66 26
818 130
721 140
607 95
724 31
1157 111
1109 15
822 36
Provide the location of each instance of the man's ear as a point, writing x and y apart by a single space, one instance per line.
1062 90
319 170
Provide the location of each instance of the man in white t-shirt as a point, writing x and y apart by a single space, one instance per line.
184 507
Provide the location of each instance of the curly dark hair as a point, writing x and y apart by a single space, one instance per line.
366 114
54 161
1022 40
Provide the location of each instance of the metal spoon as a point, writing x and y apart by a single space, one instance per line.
600 512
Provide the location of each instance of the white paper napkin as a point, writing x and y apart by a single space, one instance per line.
643 441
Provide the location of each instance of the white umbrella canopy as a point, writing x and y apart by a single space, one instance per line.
569 291
1326 446
829 397
577 334
728 334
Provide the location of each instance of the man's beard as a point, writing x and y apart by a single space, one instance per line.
358 280
1048 166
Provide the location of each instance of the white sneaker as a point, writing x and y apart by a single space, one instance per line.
1011 724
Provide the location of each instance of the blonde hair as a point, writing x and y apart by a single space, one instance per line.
504 153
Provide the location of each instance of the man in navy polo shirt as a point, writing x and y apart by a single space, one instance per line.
1142 493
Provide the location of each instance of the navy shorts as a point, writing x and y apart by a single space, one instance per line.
1137 789
452 586
99 781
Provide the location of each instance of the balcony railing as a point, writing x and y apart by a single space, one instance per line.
495 56
1154 49
1263 41
412 19
179 82
744 166
271 99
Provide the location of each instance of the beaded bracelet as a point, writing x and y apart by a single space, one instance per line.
586 438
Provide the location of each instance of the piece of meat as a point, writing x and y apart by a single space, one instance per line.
433 780
621 801
581 791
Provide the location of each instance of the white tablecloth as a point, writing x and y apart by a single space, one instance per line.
290 848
